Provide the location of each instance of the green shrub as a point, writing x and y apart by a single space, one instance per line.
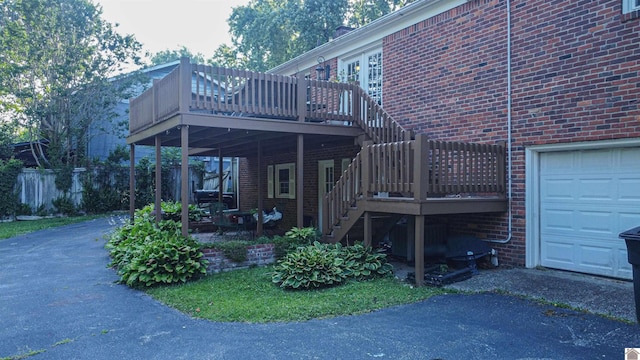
305 236
361 263
9 196
235 250
24 209
64 205
313 266
172 210
146 254
322 265
292 240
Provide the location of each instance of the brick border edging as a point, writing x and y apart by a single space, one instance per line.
257 255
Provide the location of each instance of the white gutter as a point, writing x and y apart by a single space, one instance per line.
509 166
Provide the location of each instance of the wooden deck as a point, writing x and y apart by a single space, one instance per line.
229 111
235 113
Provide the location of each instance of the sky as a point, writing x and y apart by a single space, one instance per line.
200 25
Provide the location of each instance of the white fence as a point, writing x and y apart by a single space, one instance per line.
37 187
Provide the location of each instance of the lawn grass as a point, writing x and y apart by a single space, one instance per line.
250 296
14 228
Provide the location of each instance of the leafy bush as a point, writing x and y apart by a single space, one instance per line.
292 239
313 266
172 210
361 263
9 199
305 235
235 250
64 205
322 265
24 209
146 254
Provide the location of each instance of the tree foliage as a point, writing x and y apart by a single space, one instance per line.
167 56
57 63
266 33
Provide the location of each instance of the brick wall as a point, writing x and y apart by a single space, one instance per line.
288 207
575 78
259 254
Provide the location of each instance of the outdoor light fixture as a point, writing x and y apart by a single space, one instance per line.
323 69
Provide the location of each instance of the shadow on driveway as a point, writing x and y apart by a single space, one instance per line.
57 295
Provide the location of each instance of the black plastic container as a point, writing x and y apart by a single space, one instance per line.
632 239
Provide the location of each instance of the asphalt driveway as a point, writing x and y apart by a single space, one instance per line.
58 298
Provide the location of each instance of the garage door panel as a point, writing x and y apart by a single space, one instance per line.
595 160
624 268
595 189
628 220
595 222
558 252
586 199
557 189
628 190
558 220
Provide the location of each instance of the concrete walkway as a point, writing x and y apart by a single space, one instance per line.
58 298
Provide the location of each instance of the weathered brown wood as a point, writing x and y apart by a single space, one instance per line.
300 182
132 181
158 189
367 229
184 94
184 183
259 228
419 250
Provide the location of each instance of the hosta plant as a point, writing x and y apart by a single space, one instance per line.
146 254
322 265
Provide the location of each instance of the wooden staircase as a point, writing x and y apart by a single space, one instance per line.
406 168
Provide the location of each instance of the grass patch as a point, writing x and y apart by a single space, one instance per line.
250 296
27 353
15 228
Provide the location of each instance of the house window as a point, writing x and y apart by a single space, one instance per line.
630 5
366 69
281 180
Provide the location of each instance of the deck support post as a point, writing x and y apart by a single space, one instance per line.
411 238
300 183
419 249
184 179
158 190
132 181
259 228
220 177
367 229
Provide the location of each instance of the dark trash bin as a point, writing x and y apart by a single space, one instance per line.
632 239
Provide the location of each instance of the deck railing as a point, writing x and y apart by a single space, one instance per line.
243 93
415 170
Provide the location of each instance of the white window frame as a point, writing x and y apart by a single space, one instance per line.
630 5
291 180
361 76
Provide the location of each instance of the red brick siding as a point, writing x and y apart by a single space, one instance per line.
575 78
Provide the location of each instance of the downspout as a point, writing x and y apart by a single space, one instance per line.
509 167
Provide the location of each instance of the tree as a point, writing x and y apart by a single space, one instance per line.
228 57
365 11
57 73
166 56
266 33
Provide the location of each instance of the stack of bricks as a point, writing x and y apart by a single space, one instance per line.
257 255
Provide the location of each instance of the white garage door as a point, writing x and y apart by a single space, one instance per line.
586 199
